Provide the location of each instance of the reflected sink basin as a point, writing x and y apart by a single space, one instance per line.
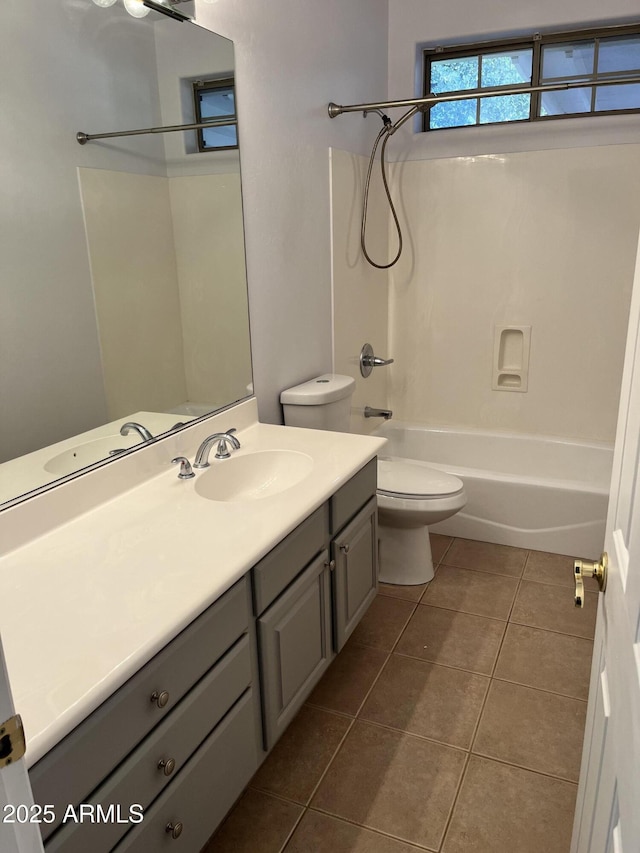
86 454
254 475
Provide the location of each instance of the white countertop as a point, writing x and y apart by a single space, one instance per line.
95 598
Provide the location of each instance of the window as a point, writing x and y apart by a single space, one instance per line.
216 99
578 59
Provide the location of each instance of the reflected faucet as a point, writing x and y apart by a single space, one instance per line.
142 431
377 413
223 438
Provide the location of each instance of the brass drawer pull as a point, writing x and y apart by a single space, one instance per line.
160 699
167 765
174 829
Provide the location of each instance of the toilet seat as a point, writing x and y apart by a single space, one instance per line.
414 480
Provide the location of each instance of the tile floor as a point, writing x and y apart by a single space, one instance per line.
452 721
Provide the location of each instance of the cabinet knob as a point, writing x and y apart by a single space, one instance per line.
167 765
160 699
331 564
345 549
174 829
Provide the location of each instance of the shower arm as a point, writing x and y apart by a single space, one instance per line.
423 104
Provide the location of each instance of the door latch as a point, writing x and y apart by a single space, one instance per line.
12 741
587 569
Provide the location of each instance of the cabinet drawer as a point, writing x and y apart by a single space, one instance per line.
204 791
353 495
276 571
74 768
140 778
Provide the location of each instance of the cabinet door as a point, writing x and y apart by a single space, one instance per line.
295 646
355 553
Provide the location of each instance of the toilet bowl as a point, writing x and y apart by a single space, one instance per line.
411 495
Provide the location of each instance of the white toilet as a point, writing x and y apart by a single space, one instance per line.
411 495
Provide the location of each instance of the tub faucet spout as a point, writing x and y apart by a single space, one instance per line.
369 412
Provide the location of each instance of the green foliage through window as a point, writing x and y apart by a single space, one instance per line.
493 69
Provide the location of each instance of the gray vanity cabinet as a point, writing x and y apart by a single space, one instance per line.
354 554
310 592
294 637
181 730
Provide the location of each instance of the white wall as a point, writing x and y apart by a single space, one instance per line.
292 58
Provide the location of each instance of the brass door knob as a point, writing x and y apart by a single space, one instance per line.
587 569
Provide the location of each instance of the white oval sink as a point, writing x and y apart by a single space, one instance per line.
254 475
86 454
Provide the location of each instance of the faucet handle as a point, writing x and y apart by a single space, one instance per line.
186 472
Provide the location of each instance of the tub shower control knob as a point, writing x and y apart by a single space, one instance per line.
586 569
368 360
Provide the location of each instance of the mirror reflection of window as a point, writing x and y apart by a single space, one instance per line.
216 99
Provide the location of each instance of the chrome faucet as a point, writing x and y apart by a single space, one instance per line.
142 431
222 452
377 413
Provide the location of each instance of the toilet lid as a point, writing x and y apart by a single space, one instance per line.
414 480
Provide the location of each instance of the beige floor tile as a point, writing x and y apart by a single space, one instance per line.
383 622
410 592
554 568
486 557
258 822
320 833
298 760
504 809
546 660
471 591
533 729
392 782
428 700
349 678
452 638
541 605
439 546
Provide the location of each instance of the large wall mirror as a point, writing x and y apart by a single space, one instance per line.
123 269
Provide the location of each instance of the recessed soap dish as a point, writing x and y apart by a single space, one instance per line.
511 348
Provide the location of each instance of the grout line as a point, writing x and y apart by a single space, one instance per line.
539 689
413 844
455 800
524 767
445 665
389 728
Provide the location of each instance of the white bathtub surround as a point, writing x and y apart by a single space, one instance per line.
536 492
359 292
128 555
545 239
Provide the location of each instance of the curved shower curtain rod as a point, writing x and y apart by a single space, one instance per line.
429 101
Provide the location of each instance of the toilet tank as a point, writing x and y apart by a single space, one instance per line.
320 403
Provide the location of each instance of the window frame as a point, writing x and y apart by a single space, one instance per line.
227 82
535 42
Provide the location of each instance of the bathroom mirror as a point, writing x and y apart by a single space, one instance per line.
123 272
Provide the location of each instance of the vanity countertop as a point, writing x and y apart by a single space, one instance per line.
95 598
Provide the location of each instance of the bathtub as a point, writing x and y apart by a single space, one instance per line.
530 491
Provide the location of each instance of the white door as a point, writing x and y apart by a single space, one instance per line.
608 808
18 834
